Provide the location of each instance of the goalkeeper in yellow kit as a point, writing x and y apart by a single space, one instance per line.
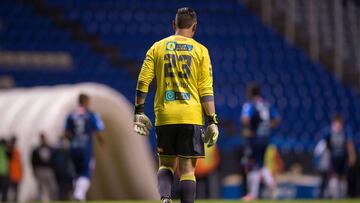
184 100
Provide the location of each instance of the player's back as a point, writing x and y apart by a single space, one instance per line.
183 75
260 113
81 124
337 141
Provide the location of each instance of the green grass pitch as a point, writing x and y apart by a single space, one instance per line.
237 201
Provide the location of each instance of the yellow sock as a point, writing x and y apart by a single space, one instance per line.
188 177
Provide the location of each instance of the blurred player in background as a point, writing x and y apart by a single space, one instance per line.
322 165
338 138
258 118
80 126
4 171
63 168
15 168
42 163
183 73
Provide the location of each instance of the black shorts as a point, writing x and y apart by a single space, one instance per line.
339 165
183 140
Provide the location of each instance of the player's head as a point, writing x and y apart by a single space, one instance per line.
186 20
84 100
338 118
13 140
253 91
337 122
43 140
2 142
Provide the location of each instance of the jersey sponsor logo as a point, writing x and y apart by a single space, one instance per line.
182 96
171 95
170 46
173 46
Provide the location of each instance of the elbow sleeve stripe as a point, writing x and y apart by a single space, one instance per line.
207 98
142 86
140 94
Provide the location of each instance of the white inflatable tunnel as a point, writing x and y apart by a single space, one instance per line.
125 167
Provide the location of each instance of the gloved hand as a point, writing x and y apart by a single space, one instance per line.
142 124
212 131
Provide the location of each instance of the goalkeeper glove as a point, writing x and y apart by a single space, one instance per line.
212 131
142 124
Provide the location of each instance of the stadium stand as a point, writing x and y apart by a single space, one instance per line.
328 30
242 50
25 31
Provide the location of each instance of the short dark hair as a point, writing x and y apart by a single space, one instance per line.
253 90
185 18
338 117
13 139
83 98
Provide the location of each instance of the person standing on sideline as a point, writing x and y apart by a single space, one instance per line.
41 161
322 165
15 168
338 138
64 169
4 171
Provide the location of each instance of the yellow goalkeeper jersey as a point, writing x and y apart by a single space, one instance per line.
183 73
